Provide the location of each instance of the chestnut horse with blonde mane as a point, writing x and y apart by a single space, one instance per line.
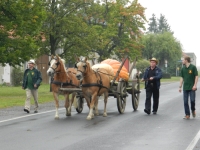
94 84
62 78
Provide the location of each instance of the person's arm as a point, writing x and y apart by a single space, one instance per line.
39 79
158 75
181 83
195 83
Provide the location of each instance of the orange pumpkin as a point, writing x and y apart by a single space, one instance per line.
116 65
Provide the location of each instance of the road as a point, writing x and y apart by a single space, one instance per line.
133 130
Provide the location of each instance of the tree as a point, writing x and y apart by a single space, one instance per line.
20 23
158 25
149 42
117 28
163 46
163 26
142 65
153 26
65 29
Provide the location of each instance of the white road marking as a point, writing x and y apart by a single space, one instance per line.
35 114
194 142
28 115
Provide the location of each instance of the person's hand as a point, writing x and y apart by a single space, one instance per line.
35 85
180 90
151 78
142 80
194 88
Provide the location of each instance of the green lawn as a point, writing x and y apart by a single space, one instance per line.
173 79
15 96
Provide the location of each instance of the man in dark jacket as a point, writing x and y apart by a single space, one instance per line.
31 81
152 76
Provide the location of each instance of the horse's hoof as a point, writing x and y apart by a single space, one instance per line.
68 114
89 118
104 114
96 114
57 118
92 116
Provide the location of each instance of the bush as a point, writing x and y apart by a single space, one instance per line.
17 77
166 76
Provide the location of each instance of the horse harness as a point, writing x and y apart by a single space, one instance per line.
70 83
98 84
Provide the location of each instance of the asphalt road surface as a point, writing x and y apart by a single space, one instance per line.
133 130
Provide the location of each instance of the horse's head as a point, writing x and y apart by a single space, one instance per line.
54 65
82 67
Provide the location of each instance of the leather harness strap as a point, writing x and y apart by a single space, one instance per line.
64 83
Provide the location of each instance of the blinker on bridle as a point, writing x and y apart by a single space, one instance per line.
56 64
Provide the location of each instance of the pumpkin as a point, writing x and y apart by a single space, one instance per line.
116 65
107 67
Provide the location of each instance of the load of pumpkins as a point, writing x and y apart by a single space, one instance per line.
112 67
116 65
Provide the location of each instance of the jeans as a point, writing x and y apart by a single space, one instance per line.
149 91
186 94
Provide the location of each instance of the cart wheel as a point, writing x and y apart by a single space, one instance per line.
80 102
121 97
135 94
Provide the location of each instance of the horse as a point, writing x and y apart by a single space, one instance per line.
94 83
62 78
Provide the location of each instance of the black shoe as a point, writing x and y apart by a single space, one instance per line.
154 112
35 111
146 111
26 110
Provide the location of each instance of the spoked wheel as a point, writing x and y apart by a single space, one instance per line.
80 102
121 97
135 93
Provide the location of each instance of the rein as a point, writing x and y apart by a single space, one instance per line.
93 84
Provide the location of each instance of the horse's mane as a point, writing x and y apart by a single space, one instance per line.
62 60
63 63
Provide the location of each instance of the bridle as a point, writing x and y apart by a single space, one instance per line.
84 66
54 69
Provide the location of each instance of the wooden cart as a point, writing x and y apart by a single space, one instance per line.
119 90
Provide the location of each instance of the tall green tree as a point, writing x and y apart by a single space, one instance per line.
83 27
20 24
163 26
65 28
117 28
163 46
153 25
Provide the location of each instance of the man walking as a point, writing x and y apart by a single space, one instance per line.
189 79
152 76
31 81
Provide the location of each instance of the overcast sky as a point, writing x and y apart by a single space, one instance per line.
183 16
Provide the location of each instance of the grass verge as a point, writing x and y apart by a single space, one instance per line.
15 96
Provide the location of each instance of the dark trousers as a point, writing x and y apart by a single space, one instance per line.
149 91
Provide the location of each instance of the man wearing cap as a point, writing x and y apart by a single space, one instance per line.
152 76
31 81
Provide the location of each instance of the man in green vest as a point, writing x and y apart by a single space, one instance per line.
189 79
31 81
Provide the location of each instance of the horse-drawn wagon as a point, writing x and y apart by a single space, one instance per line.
94 83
